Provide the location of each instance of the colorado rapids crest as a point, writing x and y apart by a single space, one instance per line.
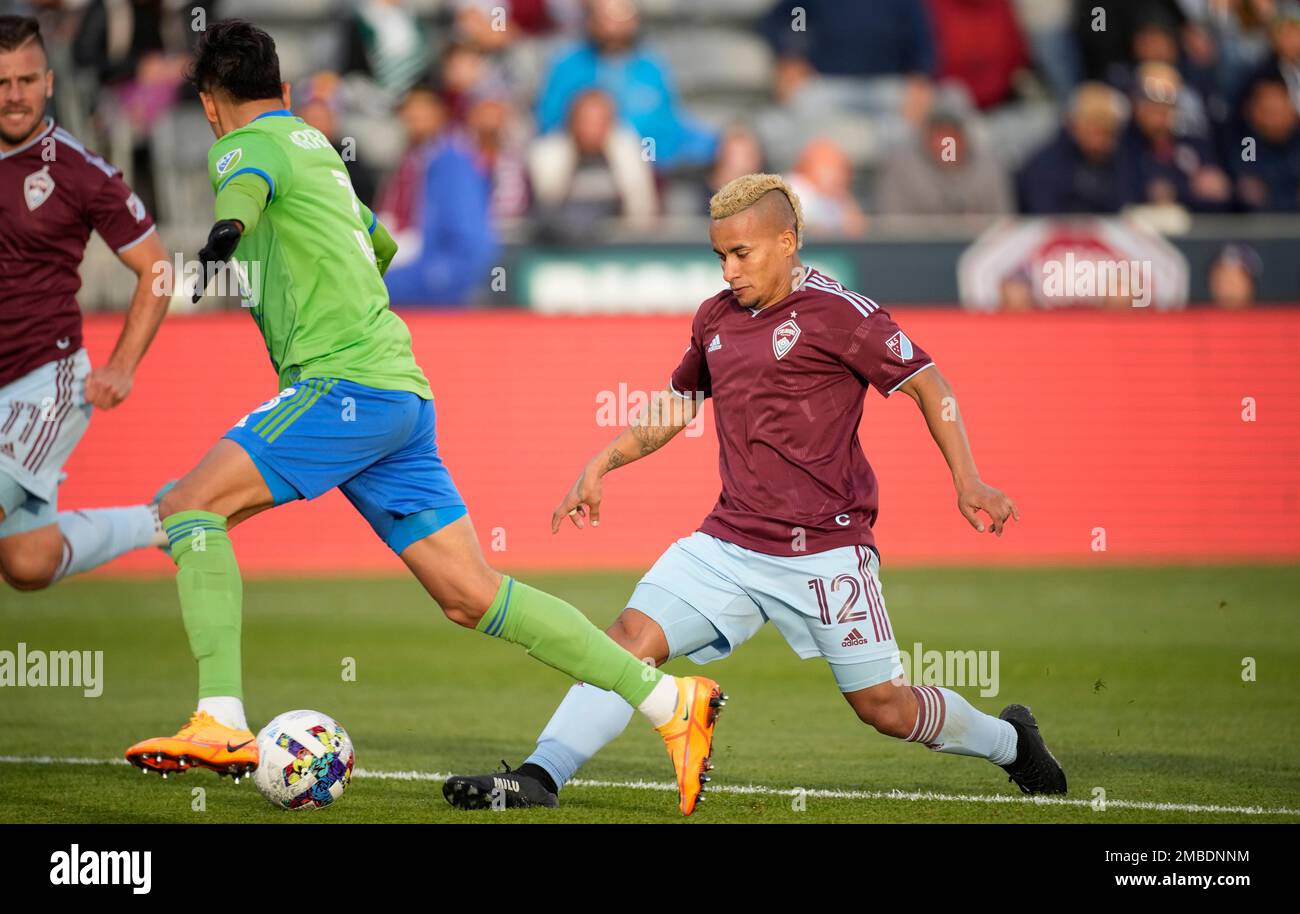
784 337
37 187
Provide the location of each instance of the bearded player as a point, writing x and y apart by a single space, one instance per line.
355 412
53 193
786 353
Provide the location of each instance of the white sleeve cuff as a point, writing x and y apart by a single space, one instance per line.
909 377
131 244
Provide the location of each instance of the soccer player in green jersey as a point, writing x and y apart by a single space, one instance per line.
354 412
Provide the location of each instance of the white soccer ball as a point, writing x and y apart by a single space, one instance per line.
305 760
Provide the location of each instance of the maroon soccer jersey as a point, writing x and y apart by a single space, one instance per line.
53 193
787 384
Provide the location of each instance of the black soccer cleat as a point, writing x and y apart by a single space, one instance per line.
1035 769
503 790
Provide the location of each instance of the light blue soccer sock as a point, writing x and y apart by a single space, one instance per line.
946 722
585 722
96 536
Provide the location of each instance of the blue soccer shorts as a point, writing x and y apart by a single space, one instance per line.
378 447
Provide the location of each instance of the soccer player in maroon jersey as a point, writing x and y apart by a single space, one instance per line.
53 192
786 353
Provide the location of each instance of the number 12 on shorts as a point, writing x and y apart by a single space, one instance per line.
846 612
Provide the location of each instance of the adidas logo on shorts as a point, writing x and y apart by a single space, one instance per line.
853 639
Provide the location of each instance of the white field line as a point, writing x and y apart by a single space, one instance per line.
763 790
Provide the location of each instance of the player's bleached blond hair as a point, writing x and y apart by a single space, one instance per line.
741 193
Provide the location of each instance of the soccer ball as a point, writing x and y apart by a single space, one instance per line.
305 760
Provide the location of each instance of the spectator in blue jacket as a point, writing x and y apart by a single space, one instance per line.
1079 171
1267 164
612 60
437 206
1159 164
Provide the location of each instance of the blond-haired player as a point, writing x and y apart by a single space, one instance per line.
787 354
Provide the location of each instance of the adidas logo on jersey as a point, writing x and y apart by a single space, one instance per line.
7 449
853 639
716 344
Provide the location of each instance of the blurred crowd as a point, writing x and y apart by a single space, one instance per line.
561 121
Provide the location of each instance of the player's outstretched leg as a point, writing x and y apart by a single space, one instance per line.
450 565
97 536
33 558
225 484
942 720
587 720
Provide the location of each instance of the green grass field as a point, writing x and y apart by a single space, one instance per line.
1134 673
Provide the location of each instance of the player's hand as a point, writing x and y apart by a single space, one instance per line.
108 386
582 501
222 241
976 497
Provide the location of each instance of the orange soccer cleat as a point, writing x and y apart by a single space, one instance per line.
689 736
201 743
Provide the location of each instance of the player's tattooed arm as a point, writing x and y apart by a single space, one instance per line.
651 428
938 404
616 460
655 425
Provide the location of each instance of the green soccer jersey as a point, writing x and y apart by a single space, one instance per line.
307 269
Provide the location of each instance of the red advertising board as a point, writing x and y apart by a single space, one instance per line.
1162 437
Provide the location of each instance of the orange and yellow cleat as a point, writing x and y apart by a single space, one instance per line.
689 736
201 743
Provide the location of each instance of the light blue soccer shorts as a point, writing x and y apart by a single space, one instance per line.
43 415
710 596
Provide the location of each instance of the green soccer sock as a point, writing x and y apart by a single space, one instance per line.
560 636
212 597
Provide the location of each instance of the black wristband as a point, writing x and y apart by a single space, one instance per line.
222 241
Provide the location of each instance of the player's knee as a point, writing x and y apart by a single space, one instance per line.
30 570
467 600
640 636
179 498
890 722
462 612
170 503
192 495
